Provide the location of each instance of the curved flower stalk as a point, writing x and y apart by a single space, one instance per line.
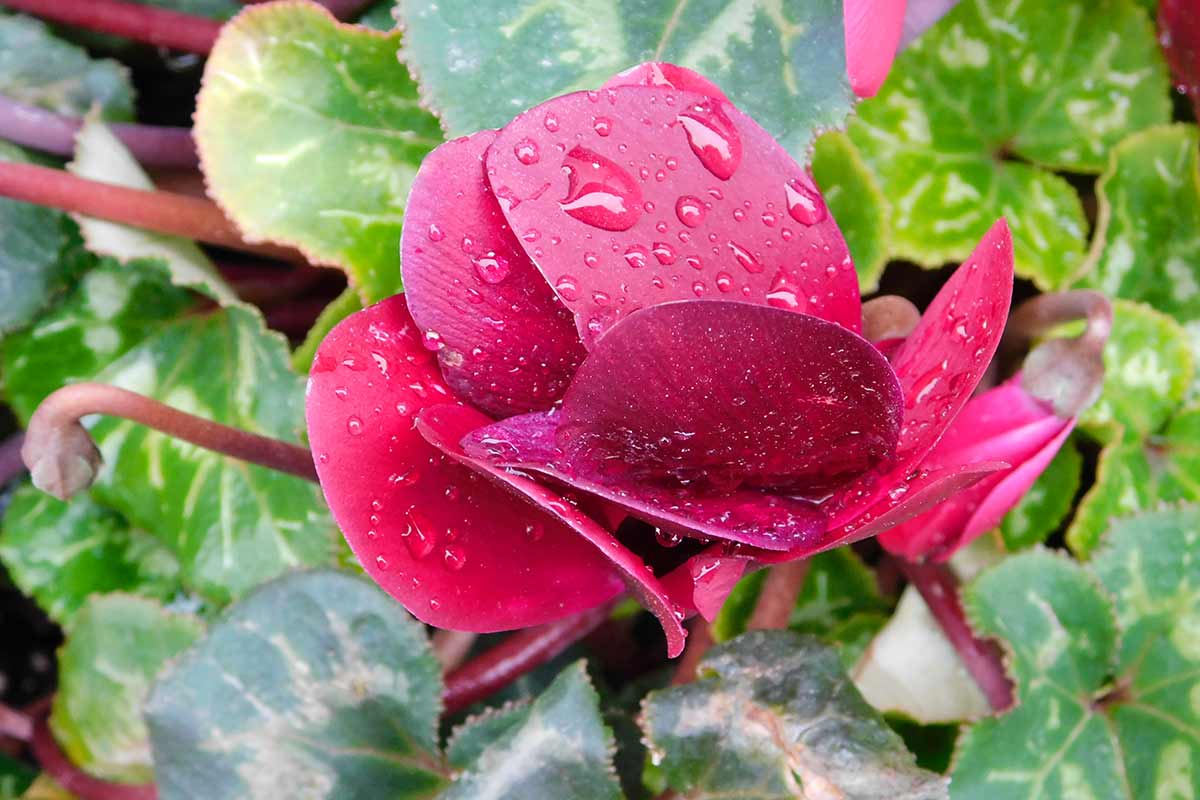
630 303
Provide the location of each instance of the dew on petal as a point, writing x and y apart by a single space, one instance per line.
804 201
690 210
712 137
600 193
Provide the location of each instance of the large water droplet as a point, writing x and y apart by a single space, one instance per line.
567 288
599 192
491 268
454 558
724 282
602 126
635 256
436 234
745 258
355 426
690 210
419 537
782 293
551 121
526 151
664 253
804 201
712 137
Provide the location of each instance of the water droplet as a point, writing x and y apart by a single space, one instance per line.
436 234
454 558
551 121
381 562
664 253
694 262
531 235
491 268
782 294
406 478
591 260
724 281
667 538
690 210
635 256
602 126
600 298
526 151
432 340
712 137
323 458
672 162
698 288
567 288
354 426
599 192
804 201
419 536
745 258
769 219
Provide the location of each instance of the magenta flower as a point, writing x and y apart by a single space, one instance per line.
630 304
1005 424
873 29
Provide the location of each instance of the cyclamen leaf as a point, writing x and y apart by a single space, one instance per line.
110 310
318 685
39 69
310 134
1105 662
15 777
1054 84
1046 504
62 553
115 647
857 203
100 156
1147 244
230 524
32 239
557 747
784 64
773 716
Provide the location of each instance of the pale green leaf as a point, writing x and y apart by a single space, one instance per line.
856 202
783 63
310 134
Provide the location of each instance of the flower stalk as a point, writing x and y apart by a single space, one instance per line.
155 26
779 592
70 777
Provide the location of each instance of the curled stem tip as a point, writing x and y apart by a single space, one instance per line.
63 459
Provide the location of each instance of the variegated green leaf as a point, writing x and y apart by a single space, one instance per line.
556 747
987 96
39 69
316 686
1147 244
856 202
1047 503
1106 666
115 648
62 553
782 62
310 134
772 716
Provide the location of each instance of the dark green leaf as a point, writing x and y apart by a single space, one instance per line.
783 63
115 647
772 715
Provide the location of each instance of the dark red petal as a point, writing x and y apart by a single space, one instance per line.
503 340
457 551
941 362
1179 33
770 522
728 394
444 426
643 195
664 75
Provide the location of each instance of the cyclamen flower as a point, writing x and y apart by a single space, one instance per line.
630 304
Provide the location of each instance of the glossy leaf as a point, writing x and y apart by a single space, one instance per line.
1104 663
1051 84
62 553
1147 245
317 685
230 524
784 64
116 646
100 156
39 69
1047 503
557 747
111 309
310 134
855 200
32 238
772 716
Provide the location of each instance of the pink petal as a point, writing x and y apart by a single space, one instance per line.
503 341
728 394
643 195
443 426
713 578
766 521
873 29
670 76
457 551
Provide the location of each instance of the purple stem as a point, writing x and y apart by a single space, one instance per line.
41 129
70 777
982 658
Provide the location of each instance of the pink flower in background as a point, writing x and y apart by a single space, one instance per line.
873 30
631 304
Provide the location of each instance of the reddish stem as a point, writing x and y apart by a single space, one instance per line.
778 597
156 26
70 777
700 640
56 442
452 647
42 129
518 654
10 458
982 658
173 214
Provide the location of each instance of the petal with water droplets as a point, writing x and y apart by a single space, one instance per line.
504 343
678 195
664 75
456 550
446 425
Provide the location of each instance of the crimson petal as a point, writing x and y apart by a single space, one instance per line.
444 426
457 551
503 341
670 76
643 195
